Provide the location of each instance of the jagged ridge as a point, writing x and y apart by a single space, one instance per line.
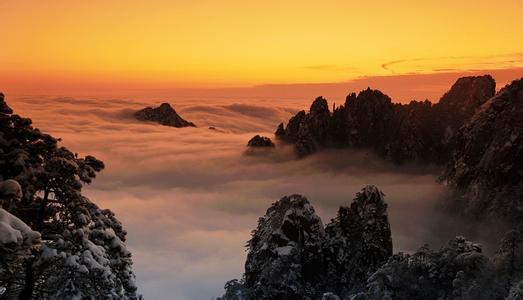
419 131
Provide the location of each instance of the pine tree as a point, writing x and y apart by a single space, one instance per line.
83 252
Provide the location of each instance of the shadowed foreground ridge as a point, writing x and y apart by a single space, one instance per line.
163 114
292 256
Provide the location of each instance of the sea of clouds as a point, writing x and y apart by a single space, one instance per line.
189 197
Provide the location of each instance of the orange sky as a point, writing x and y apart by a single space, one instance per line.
209 43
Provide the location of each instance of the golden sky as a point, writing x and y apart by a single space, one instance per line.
224 43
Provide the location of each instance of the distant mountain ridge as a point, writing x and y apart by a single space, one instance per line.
419 131
475 134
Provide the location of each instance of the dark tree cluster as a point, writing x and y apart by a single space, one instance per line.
80 252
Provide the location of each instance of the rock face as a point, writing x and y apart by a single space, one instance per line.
164 114
291 256
419 131
4 108
259 141
358 242
486 169
285 251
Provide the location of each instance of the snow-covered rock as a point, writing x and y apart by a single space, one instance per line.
457 271
358 241
15 233
285 250
291 256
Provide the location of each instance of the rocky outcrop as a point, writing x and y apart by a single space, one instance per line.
358 242
285 251
485 170
419 131
4 108
259 141
291 256
164 114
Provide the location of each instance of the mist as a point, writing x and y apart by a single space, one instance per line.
189 197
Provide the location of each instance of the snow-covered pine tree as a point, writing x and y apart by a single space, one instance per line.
458 271
83 252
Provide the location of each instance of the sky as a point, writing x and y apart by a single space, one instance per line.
94 45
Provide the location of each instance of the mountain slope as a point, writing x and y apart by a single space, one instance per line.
486 169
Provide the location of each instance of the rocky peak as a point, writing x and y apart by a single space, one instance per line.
369 205
166 107
280 131
460 103
260 141
369 100
284 249
4 108
358 241
164 114
485 169
319 106
469 92
291 256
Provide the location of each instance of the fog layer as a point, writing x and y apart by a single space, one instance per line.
189 197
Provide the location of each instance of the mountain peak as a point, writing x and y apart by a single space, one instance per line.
319 106
468 93
164 114
4 108
486 165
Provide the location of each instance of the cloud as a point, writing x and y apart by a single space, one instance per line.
334 68
189 197
455 63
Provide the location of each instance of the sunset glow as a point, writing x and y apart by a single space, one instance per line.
142 44
275 149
